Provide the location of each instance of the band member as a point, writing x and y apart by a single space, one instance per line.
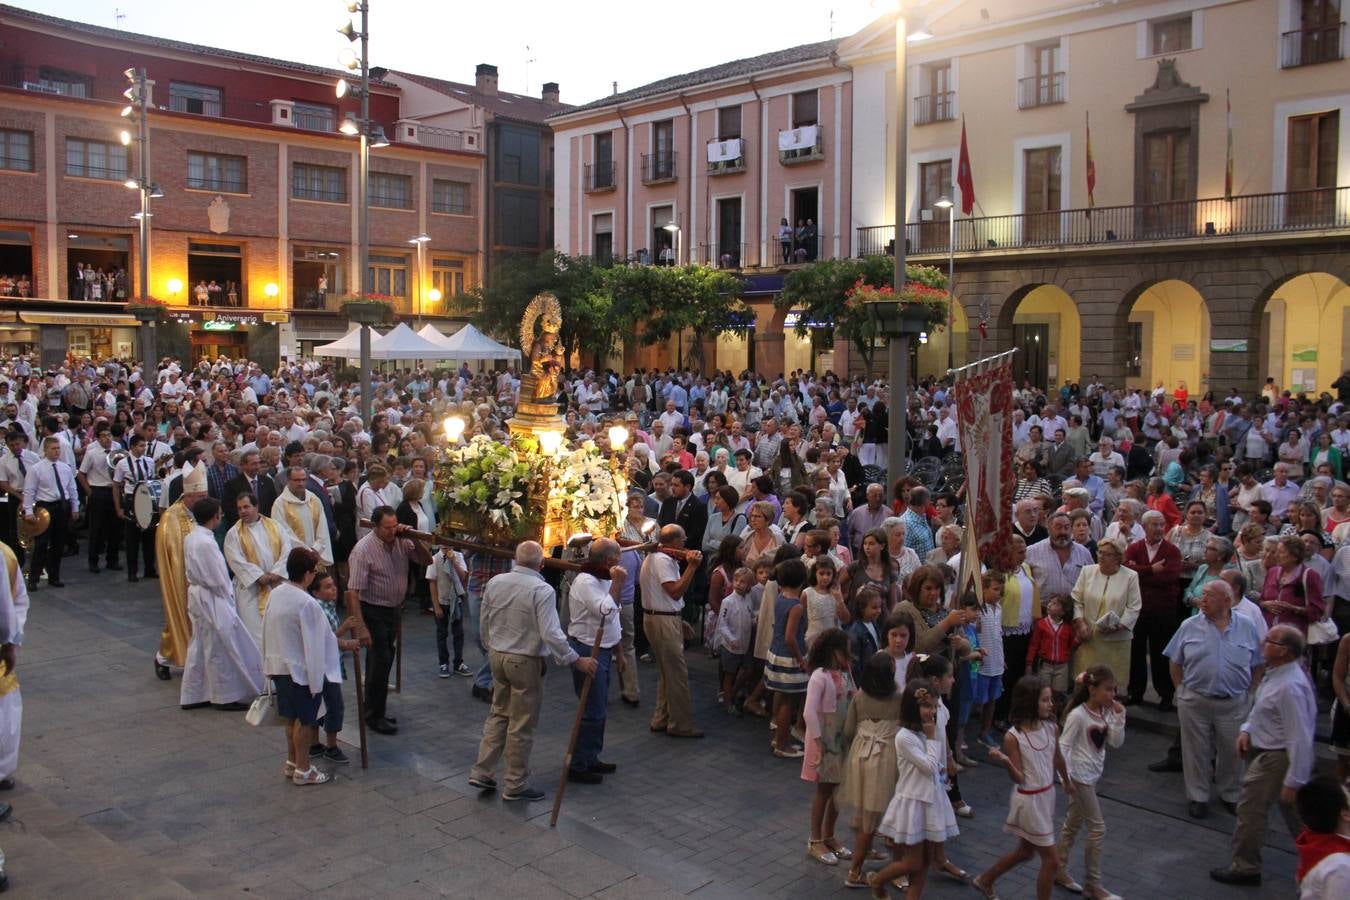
95 476
130 473
175 524
50 485
14 466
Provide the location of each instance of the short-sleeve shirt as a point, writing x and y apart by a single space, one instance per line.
1216 663
657 570
379 571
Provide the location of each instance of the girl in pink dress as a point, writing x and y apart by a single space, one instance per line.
827 694
1031 754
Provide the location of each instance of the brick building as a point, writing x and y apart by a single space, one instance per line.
259 192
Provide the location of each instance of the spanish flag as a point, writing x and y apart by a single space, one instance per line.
1091 166
1228 160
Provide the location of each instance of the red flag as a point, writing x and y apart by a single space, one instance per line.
1091 166
1228 160
964 180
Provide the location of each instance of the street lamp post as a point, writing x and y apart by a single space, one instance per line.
420 241
679 240
138 107
944 202
362 184
898 344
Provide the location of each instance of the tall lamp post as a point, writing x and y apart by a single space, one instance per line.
138 110
945 203
420 242
372 137
678 239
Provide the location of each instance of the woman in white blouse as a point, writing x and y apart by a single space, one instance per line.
1106 604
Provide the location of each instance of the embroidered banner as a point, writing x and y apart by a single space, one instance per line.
984 420
724 151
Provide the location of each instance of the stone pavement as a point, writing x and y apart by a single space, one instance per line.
122 794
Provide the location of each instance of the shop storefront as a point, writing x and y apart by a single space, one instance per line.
52 336
197 334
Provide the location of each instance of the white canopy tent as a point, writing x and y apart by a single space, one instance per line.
404 343
348 346
470 343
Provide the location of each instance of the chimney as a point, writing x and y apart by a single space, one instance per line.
485 77
551 94
615 85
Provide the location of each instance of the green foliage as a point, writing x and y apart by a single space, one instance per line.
600 303
820 291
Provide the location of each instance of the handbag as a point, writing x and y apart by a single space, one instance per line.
1323 631
263 710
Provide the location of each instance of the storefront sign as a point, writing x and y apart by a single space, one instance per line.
180 315
231 318
217 325
96 320
276 318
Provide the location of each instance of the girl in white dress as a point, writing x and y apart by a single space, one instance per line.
825 607
919 816
1031 754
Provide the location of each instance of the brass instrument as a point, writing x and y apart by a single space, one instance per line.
31 529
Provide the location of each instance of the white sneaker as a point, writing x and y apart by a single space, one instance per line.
964 811
309 776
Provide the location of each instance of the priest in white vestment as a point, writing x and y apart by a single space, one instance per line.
13 616
300 514
224 665
255 550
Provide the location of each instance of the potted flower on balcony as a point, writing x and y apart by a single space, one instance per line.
147 309
915 308
368 309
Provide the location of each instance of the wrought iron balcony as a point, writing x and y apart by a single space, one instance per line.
935 108
1040 90
1310 46
658 167
599 177
1322 209
805 154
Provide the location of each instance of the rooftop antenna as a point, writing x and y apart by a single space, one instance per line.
118 17
831 23
529 58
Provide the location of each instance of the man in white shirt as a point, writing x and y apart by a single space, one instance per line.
1280 492
663 589
302 516
95 476
594 598
672 418
50 485
130 472
946 431
14 466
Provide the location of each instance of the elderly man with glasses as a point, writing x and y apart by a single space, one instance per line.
1215 658
1277 742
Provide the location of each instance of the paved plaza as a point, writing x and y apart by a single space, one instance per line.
122 794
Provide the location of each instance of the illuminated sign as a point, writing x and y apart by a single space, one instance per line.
218 326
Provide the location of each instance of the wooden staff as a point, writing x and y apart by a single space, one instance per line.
486 549
360 705
398 654
576 728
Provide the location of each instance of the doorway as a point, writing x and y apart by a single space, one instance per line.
1033 362
219 270
728 234
212 345
805 214
109 254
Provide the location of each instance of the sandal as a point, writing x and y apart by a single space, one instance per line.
821 853
790 753
855 879
288 770
901 882
987 891
955 872
309 776
838 849
755 709
876 887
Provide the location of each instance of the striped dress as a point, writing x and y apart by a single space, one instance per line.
781 672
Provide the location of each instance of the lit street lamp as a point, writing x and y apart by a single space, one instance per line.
679 239
944 202
138 111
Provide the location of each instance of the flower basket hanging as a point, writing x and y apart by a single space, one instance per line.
368 309
913 309
147 309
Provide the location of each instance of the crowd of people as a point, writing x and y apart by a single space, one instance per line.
1186 553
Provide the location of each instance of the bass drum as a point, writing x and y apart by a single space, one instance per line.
144 507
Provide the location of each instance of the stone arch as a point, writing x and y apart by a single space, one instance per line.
1042 320
932 356
1300 330
1173 320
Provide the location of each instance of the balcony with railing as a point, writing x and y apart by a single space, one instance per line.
599 177
1313 45
726 157
722 255
1040 90
443 138
658 168
1321 209
801 145
935 108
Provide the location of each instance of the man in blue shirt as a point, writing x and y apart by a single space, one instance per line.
918 533
1215 658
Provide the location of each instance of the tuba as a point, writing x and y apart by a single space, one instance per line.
115 457
30 531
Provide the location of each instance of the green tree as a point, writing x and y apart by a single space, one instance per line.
655 303
819 291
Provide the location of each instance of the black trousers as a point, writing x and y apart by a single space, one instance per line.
449 627
9 527
140 545
1151 633
1014 667
382 622
51 544
105 532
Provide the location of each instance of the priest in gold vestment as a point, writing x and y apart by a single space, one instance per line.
175 524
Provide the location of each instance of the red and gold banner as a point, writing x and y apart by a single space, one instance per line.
984 408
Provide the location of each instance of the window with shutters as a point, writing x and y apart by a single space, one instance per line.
215 172
311 182
450 197
96 159
1041 194
1311 176
390 191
